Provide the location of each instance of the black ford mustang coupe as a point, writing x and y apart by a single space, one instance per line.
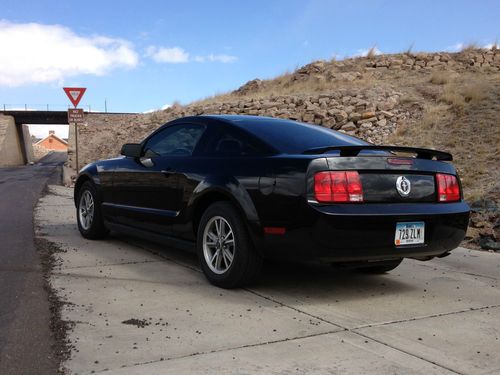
238 189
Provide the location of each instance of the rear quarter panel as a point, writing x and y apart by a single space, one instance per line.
268 190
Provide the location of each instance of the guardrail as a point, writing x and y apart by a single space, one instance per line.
47 107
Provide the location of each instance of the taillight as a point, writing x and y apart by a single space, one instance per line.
447 187
338 187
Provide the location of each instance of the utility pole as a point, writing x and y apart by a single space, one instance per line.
105 105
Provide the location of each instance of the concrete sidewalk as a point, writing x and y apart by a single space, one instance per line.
139 308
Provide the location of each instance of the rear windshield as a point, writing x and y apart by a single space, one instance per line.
292 137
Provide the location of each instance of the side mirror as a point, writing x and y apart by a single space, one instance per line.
132 150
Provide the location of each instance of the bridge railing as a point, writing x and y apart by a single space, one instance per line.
47 107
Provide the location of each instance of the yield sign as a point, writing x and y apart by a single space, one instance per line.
74 94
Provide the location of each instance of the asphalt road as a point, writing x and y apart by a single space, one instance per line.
25 337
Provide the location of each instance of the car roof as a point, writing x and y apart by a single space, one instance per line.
238 120
244 121
285 135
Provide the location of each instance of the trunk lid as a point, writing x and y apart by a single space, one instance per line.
380 186
387 177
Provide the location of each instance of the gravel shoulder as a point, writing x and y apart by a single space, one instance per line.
128 306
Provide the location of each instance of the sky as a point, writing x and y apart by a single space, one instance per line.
144 55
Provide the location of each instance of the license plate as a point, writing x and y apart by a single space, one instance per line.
409 233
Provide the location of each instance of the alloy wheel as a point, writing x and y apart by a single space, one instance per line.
86 210
218 245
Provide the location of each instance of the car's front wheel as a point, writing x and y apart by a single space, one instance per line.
227 256
88 213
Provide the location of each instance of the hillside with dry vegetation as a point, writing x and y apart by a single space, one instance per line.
447 107
447 101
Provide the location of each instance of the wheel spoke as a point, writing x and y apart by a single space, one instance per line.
228 255
222 228
217 227
218 260
212 236
216 252
226 237
226 261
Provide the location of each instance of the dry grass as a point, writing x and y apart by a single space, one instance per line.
452 97
470 47
466 90
464 121
372 52
475 92
409 50
424 132
440 77
282 85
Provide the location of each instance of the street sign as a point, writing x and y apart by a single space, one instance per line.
75 115
74 94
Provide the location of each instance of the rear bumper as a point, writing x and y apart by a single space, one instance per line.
346 233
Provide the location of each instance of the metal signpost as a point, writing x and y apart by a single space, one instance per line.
75 115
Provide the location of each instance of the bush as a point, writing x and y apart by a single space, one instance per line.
474 92
440 77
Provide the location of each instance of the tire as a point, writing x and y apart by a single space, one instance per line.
237 263
383 267
88 213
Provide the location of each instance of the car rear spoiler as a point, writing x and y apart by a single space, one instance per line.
421 153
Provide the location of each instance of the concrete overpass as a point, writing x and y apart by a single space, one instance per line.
38 117
15 141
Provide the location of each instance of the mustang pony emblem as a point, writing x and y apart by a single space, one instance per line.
403 186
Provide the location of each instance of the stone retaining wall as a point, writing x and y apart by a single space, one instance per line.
368 114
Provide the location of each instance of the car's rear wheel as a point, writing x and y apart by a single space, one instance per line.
380 267
227 256
88 213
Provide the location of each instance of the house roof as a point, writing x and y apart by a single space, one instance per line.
52 136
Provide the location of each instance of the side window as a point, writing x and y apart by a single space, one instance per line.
229 141
174 140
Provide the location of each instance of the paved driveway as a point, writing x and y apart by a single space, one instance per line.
141 309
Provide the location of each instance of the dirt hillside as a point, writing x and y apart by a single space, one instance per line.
448 101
